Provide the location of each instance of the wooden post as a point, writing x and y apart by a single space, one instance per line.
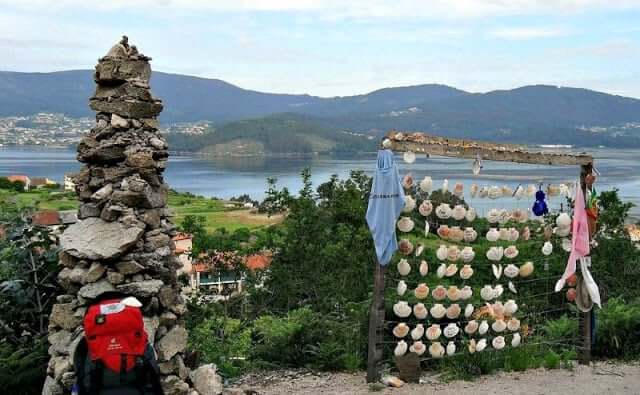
585 318
376 325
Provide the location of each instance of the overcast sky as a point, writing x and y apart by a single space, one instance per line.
341 47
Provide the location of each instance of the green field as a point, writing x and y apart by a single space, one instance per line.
216 213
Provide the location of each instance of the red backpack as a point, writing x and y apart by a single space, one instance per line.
116 356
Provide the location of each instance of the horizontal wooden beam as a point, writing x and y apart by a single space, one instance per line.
459 148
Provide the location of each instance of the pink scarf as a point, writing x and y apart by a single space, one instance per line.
580 239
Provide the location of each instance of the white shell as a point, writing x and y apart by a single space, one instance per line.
513 234
495 254
563 220
442 269
564 189
459 212
566 245
497 271
437 311
404 268
425 208
443 211
470 235
493 216
497 291
487 293
436 350
498 342
467 254
484 191
483 328
402 287
451 270
419 249
426 184
505 216
493 235
562 232
433 332
468 310
471 214
466 292
401 348
409 157
515 342
402 309
418 348
451 330
401 330
426 228
471 327
409 204
511 252
499 326
547 248
405 224
442 252
512 288
417 332
510 307
513 324
407 181
453 254
466 272
424 268
445 185
504 234
494 192
481 345
439 293
451 348
511 271
420 311
472 346
453 311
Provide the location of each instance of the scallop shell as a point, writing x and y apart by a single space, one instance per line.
474 190
520 215
566 245
419 249
495 254
433 332
418 348
505 216
459 212
498 309
436 350
563 232
445 186
553 190
507 191
409 204
402 309
499 326
547 248
451 270
511 271
511 252
404 268
401 330
470 235
453 311
451 348
437 311
424 268
481 345
453 254
453 293
467 254
466 292
409 157
504 234
426 184
472 346
407 181
471 214
421 291
458 190
493 235
484 192
515 342
483 328
405 224
510 307
498 342
525 234
512 288
451 330
401 348
493 216
443 231
442 252
487 293
456 234
420 311
417 332
513 234
471 327
513 324
425 208
468 310
402 287
494 192
439 293
443 211
405 247
466 272
442 269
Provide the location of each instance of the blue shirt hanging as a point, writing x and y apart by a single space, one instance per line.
385 205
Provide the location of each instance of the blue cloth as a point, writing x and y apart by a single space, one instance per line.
385 205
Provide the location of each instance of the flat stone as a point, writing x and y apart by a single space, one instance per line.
126 89
150 123
68 276
110 71
141 159
93 290
94 238
115 278
60 341
173 342
118 122
143 289
102 193
206 380
174 385
95 272
88 210
127 108
107 152
62 316
129 267
157 143
151 325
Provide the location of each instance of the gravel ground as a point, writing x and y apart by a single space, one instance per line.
600 378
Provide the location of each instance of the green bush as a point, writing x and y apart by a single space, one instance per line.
618 329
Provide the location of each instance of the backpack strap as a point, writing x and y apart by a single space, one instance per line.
147 373
95 376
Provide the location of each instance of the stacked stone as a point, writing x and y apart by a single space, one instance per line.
122 242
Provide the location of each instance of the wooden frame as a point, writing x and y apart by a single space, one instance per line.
419 142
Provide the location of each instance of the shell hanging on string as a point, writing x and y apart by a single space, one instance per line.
424 268
512 287
419 250
547 248
495 254
417 332
409 204
472 346
495 192
510 307
401 348
467 254
487 293
520 215
418 347
459 212
511 252
405 224
433 332
493 235
484 192
421 291
442 252
453 255
426 184
499 326
471 214
407 181
458 189
436 350
498 342
531 190
439 293
437 311
409 157
443 231
511 271
493 216
466 272
404 268
405 247
471 327
445 186
474 190
481 345
468 310
456 234
451 330
453 293
442 269
453 311
420 311
402 309
513 324
469 235
466 292
426 228
515 342
402 287
401 330
426 207
451 348
519 192
483 328
525 234
443 211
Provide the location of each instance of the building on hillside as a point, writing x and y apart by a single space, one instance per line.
41 182
70 181
184 245
23 179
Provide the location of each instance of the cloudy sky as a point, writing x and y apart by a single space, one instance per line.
341 47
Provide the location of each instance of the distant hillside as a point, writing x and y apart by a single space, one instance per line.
530 114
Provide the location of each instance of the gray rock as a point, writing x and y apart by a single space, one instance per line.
95 272
127 108
157 143
62 316
51 387
68 276
173 385
173 342
150 123
129 267
168 319
107 153
151 217
93 290
151 325
121 70
60 365
94 238
115 278
102 193
68 379
60 341
142 289
88 210
141 159
206 380
167 296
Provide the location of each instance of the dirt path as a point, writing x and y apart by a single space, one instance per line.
601 379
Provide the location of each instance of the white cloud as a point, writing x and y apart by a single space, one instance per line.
527 33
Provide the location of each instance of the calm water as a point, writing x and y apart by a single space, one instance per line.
231 177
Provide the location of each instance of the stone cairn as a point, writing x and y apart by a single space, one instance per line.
122 242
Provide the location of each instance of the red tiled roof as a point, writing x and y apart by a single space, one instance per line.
46 218
200 268
182 236
18 178
258 262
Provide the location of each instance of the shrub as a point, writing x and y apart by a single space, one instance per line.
618 328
